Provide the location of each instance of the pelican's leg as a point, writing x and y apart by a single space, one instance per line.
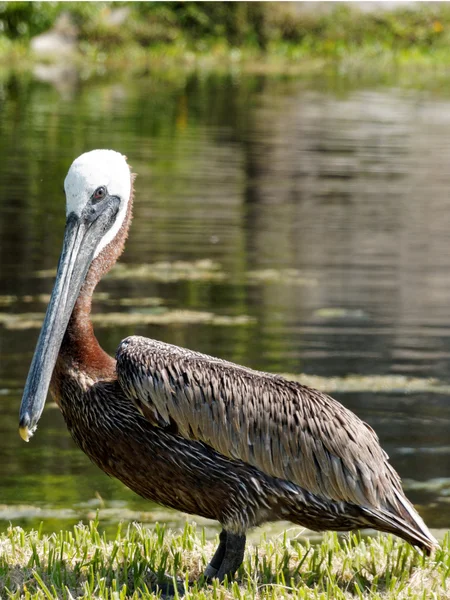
216 561
233 556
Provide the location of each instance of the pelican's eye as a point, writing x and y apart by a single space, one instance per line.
99 193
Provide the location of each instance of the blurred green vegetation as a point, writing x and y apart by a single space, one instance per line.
146 22
268 32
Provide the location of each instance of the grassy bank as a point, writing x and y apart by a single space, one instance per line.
82 563
272 36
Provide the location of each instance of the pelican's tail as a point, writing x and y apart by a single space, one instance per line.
402 519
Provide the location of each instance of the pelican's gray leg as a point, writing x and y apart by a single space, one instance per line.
216 561
233 557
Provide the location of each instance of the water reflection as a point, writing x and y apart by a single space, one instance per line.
326 211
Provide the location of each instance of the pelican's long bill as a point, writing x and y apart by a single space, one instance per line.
81 239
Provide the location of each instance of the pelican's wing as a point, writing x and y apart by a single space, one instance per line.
284 429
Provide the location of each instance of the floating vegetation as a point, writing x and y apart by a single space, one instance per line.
21 321
103 297
435 450
199 270
165 271
81 562
281 276
44 273
7 300
372 383
42 298
142 302
111 514
340 313
437 484
120 319
168 317
23 511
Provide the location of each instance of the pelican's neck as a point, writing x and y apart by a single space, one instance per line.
80 349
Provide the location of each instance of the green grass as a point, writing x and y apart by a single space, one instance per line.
83 563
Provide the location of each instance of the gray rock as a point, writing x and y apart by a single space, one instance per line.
59 41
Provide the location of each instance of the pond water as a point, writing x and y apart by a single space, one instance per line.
293 226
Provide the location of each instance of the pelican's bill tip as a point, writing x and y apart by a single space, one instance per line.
26 433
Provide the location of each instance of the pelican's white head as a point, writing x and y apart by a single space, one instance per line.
105 171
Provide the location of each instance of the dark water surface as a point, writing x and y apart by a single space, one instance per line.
313 223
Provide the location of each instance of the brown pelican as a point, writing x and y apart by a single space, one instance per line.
193 432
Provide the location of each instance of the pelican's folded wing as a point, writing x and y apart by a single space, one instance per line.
284 429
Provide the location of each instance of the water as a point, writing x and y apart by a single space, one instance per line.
320 215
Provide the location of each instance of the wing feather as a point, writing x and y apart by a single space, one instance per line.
285 429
